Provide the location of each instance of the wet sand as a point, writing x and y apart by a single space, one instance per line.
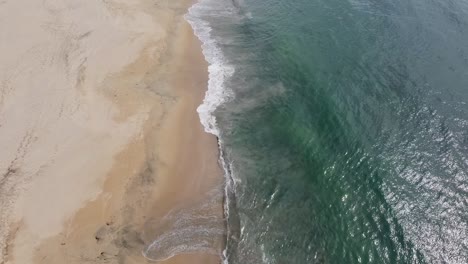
99 135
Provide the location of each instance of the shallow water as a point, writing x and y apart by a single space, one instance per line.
344 128
196 228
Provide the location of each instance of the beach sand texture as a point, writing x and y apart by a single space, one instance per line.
99 135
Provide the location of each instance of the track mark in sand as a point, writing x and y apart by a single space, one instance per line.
21 152
6 247
5 89
84 35
10 170
81 76
62 109
106 250
10 179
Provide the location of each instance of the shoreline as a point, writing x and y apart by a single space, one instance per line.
162 159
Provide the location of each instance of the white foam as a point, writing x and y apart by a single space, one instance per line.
217 93
219 70
187 230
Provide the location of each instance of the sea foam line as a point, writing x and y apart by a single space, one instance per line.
218 69
217 94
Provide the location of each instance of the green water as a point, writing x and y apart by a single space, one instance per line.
345 128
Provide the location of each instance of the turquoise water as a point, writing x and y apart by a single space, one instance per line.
343 127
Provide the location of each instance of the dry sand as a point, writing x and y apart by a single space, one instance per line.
99 137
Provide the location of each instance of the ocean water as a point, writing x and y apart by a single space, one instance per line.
343 128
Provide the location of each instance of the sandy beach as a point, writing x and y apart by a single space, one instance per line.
102 155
